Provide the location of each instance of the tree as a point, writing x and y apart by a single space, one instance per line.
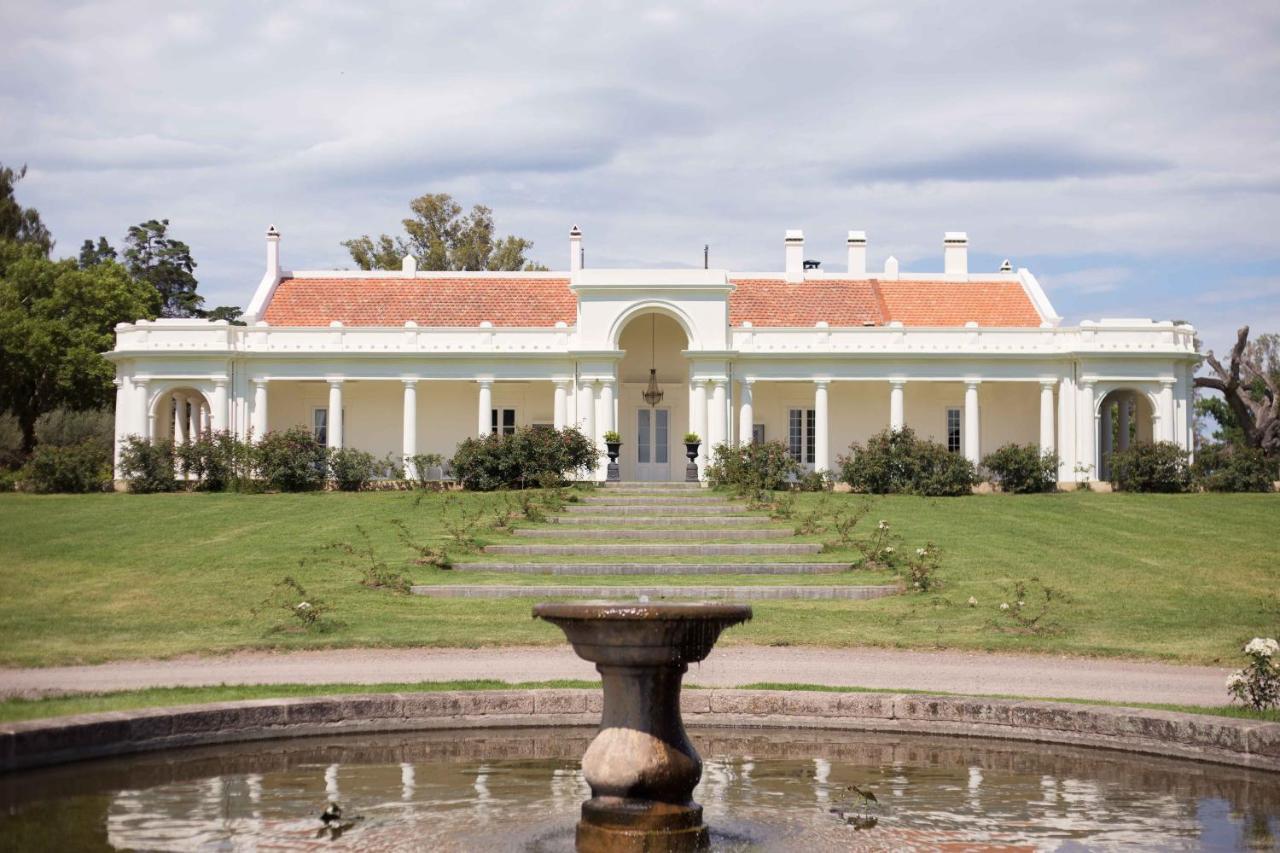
440 237
166 264
55 322
93 254
20 224
1250 388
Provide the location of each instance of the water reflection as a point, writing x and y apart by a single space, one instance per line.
520 790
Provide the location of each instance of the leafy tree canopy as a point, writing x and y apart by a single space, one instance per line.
92 254
441 237
20 224
166 264
55 321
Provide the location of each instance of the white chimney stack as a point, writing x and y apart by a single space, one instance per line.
575 249
409 266
273 253
795 255
891 268
857 243
955 253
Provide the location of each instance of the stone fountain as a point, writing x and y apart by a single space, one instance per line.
641 767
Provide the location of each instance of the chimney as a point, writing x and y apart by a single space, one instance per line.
273 253
891 268
795 255
955 253
857 243
575 249
409 266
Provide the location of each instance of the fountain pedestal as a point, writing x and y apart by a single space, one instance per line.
641 767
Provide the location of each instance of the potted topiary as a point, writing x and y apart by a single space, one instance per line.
692 441
613 443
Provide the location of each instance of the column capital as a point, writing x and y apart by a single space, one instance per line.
118 381
261 381
409 382
1088 384
897 382
335 381
971 382
1168 383
748 381
220 383
1048 384
822 383
485 383
562 383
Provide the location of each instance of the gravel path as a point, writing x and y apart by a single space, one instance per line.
956 672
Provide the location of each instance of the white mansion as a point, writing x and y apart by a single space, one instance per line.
413 362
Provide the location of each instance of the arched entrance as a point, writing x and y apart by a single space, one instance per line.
652 432
1126 417
180 414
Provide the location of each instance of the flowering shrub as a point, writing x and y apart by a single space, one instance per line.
753 468
220 462
880 549
352 469
922 569
1257 685
292 460
897 462
305 612
1022 468
1159 467
147 465
1027 608
529 457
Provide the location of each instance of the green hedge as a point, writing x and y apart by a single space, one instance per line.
899 462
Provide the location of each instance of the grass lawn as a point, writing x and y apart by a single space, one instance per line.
15 710
99 577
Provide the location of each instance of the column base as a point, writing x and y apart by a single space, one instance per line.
619 825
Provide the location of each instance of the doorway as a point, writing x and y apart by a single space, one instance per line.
653 444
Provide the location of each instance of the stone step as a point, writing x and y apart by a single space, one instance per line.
654 509
666 521
631 593
652 534
653 500
656 568
652 487
657 549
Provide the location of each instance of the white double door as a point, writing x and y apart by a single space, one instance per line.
653 444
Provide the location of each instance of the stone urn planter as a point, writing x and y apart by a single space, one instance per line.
691 452
612 448
641 767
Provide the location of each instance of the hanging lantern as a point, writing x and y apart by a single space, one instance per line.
652 393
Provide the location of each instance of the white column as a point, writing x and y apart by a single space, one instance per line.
897 410
147 422
586 409
1166 411
204 418
179 419
746 411
1104 433
484 408
410 428
1046 416
719 421
607 410
335 414
260 421
1087 440
700 419
123 389
821 435
218 409
972 422
561 406
1125 400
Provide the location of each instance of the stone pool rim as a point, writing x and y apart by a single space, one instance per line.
1246 743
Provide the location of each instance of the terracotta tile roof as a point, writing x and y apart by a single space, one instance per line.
428 302
545 301
948 303
857 302
773 302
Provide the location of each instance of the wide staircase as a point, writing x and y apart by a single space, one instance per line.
658 540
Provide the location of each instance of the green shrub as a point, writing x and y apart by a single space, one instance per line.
529 457
1159 467
897 462
815 481
1231 468
1023 469
148 466
753 468
219 461
11 455
292 460
67 428
352 469
423 476
76 468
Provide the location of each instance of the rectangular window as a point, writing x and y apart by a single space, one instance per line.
320 425
757 433
953 430
801 426
660 438
503 420
642 436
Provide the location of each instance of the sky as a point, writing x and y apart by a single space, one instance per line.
1127 153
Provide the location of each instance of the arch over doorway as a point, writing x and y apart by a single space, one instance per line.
1125 416
180 412
654 306
652 433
